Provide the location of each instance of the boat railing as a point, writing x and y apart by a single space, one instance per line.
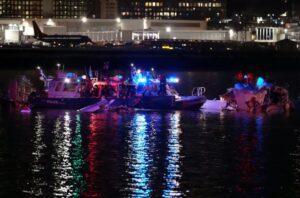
198 91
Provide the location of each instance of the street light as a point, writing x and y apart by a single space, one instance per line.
50 22
58 66
118 20
84 19
168 29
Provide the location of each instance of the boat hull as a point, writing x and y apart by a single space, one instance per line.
169 102
62 103
146 102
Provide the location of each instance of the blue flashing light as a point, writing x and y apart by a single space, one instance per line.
173 80
142 80
120 76
260 82
238 86
70 75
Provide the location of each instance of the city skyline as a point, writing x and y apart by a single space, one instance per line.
154 9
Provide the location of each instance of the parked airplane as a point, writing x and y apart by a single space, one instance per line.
65 40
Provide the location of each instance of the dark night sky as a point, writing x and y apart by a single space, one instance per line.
256 6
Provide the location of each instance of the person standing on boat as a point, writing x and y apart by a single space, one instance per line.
106 70
129 88
162 85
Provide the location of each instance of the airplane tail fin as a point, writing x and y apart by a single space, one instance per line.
37 30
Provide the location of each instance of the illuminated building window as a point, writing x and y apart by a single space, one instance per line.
21 9
173 9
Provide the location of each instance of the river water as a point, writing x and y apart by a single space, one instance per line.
55 153
63 153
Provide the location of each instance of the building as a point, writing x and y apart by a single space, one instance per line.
21 8
173 9
63 9
109 9
76 9
295 9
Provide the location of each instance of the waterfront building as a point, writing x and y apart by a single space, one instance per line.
126 30
269 34
173 9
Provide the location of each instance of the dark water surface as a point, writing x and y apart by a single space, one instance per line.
53 153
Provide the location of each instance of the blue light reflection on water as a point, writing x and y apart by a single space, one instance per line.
173 160
139 157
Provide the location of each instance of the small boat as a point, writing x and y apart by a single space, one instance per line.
141 90
262 97
69 91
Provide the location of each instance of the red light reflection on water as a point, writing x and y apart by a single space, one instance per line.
247 166
100 123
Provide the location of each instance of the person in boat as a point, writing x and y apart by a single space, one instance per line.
162 86
95 91
253 105
279 96
148 86
104 92
128 88
111 91
106 70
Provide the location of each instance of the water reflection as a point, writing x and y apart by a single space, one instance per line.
62 165
139 157
173 160
248 167
37 167
153 163
77 160
296 162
